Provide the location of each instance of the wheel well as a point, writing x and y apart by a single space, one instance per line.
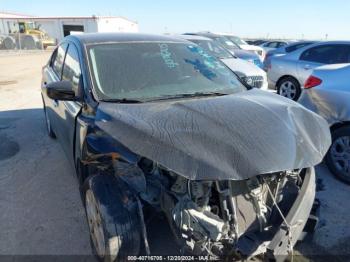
339 125
284 77
79 169
82 169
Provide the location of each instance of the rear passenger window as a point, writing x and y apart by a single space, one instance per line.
327 54
58 62
71 69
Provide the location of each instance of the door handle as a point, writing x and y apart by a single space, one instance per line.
55 103
307 67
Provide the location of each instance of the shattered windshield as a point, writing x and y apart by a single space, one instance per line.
152 70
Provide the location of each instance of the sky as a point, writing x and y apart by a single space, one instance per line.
308 19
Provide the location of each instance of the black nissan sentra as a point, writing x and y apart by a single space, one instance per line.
156 122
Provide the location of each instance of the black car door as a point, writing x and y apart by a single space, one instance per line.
68 110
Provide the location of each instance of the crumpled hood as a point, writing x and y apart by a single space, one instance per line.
231 137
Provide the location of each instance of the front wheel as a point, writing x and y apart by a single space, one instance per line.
113 223
289 87
338 156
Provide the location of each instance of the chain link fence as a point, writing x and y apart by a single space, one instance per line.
19 35
21 41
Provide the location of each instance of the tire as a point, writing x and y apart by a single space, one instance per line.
28 42
338 156
9 43
50 132
114 227
289 87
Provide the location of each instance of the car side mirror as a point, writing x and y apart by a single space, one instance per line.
61 90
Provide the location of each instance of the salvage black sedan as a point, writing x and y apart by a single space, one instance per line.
153 121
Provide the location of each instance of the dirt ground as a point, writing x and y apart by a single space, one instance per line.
41 211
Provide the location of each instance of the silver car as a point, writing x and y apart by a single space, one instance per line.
287 49
327 92
288 73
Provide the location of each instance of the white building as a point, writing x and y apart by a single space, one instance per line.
59 27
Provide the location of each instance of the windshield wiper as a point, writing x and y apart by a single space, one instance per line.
189 95
122 100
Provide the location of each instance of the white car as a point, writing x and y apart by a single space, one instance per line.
250 73
245 46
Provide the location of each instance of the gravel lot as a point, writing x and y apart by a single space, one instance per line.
41 211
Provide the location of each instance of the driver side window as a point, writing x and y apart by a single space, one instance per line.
58 58
71 68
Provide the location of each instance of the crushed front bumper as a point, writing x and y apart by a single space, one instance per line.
277 243
297 217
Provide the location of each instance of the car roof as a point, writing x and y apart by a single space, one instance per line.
193 37
303 42
295 54
205 34
334 42
93 38
321 43
279 40
225 34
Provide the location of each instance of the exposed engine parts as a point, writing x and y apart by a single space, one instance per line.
210 217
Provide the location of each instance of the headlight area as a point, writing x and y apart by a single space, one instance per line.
263 215
254 81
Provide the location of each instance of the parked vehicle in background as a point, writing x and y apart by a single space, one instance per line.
289 72
272 45
256 42
155 123
287 49
248 72
245 46
327 93
233 48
